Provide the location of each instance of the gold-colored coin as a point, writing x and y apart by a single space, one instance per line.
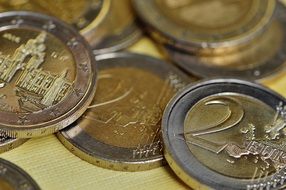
121 128
231 131
81 14
260 59
47 75
5 185
117 30
191 25
108 25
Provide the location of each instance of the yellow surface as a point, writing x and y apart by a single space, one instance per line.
55 168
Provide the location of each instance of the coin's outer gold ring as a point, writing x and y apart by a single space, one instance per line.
176 36
11 144
39 22
113 165
191 182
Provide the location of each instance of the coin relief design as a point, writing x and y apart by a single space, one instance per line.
121 129
235 135
125 121
231 131
136 112
33 75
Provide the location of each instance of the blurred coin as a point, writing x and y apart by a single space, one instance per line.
8 143
121 129
14 178
226 134
262 58
118 29
81 14
108 25
191 25
47 74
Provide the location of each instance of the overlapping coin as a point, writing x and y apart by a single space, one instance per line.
108 25
14 178
191 25
257 52
262 58
118 30
217 134
47 74
121 129
226 134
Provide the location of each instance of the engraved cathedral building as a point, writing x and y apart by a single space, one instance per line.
36 88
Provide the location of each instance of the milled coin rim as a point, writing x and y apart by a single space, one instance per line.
186 166
26 19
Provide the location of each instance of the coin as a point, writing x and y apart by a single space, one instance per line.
121 128
47 75
262 58
8 143
191 25
226 134
77 13
14 178
83 15
118 30
108 25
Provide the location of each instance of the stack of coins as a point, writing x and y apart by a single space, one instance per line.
129 112
219 38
